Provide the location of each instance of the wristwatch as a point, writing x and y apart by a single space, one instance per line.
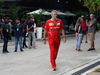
64 37
44 39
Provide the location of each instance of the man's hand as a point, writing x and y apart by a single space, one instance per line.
44 41
87 23
9 34
32 26
64 39
3 37
76 34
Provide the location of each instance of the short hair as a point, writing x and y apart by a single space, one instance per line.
93 15
31 16
82 16
17 19
53 11
6 21
24 21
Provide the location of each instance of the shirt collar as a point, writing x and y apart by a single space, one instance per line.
52 19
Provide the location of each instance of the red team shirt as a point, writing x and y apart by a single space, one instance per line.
53 28
83 25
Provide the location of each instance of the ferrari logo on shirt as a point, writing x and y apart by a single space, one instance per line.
58 23
51 24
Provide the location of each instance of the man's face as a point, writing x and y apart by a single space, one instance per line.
6 21
3 20
54 15
91 16
81 19
17 21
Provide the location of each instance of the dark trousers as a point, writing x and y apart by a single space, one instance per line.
31 40
35 35
6 38
24 41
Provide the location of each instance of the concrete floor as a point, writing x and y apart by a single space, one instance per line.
37 62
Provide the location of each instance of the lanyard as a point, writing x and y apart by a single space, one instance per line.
17 27
7 28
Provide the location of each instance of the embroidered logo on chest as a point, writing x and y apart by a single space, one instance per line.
58 23
51 24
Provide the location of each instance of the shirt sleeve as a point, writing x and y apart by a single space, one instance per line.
93 21
34 24
62 26
46 26
23 26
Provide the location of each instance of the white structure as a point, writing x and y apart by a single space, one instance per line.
69 13
38 11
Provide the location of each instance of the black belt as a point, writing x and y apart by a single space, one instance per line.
55 36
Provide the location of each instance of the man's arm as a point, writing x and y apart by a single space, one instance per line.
89 25
44 37
64 37
30 27
75 28
79 29
27 28
9 33
23 30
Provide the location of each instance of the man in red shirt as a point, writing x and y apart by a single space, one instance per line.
53 27
84 29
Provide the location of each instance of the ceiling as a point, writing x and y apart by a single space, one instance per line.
67 5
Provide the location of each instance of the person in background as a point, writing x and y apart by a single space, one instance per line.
22 19
5 32
35 33
71 27
24 34
43 24
1 23
84 29
18 29
10 21
35 30
79 33
91 30
30 28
